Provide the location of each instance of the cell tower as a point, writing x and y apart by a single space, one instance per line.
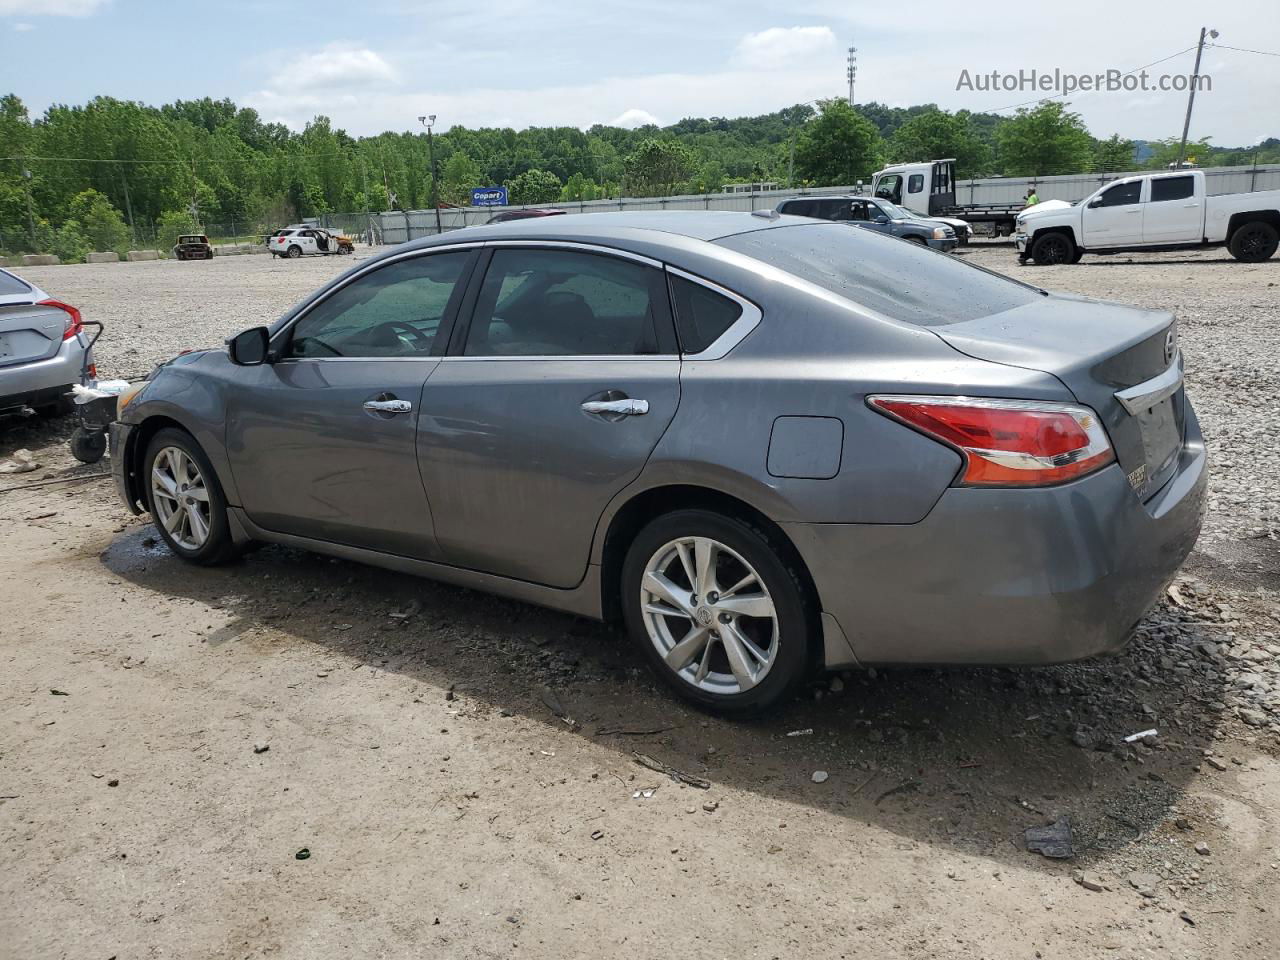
851 71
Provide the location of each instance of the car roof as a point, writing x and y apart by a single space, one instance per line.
695 224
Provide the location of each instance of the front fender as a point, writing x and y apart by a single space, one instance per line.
197 404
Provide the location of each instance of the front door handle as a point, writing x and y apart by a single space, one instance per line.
623 408
388 406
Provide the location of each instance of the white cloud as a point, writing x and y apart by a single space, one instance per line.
783 46
338 66
635 117
24 27
50 8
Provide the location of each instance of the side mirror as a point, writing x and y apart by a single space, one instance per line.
1095 202
879 218
249 349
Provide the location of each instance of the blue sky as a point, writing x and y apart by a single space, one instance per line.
372 65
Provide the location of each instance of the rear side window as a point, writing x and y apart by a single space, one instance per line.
11 285
801 208
562 303
915 183
903 281
702 315
1172 188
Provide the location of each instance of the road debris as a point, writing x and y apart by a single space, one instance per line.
1054 841
303 854
1141 735
681 777
633 731
644 793
819 776
261 747
1145 884
552 702
1202 848
711 806
409 612
58 693
597 834
1090 881
806 732
23 461
903 787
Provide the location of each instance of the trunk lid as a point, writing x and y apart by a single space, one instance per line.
1098 350
28 331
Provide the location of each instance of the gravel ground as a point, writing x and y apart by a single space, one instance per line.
450 811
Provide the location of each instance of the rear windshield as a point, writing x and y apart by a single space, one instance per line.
10 285
902 280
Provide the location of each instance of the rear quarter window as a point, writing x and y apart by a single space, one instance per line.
11 285
902 281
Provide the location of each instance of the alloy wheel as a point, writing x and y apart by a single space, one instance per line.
180 497
709 615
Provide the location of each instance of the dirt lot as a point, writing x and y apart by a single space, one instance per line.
171 738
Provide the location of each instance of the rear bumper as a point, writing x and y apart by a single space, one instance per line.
1009 576
24 381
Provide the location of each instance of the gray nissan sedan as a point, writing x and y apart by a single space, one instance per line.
768 445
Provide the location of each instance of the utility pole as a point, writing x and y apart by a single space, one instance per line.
31 216
1191 94
428 122
851 70
124 181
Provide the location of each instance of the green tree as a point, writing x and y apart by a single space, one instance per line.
171 225
459 175
70 244
656 166
534 186
934 134
578 187
103 226
839 146
1044 142
1165 152
1113 154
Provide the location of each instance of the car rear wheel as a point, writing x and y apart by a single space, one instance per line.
1052 249
1254 242
186 500
295 251
722 617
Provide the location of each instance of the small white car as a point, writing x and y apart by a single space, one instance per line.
298 241
43 348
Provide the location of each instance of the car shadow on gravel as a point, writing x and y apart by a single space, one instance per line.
966 758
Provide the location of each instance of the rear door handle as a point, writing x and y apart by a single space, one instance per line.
388 406
625 408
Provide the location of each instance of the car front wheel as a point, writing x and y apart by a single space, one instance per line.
186 500
717 609
1052 249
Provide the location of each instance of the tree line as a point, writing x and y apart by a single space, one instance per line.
111 173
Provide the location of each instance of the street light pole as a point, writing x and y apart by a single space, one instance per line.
428 122
1191 94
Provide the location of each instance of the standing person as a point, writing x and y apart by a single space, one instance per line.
1032 199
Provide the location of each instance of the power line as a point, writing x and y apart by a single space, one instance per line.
1223 46
1059 96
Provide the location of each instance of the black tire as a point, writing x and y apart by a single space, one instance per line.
88 446
795 611
1051 249
209 255
1254 242
219 547
295 251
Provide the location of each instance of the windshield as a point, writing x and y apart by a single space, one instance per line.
903 281
895 211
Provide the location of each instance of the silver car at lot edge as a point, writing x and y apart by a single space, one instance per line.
767 444
43 348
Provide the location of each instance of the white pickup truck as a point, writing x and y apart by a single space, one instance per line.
1164 211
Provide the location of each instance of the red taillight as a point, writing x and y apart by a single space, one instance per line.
280 239
1008 443
74 325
